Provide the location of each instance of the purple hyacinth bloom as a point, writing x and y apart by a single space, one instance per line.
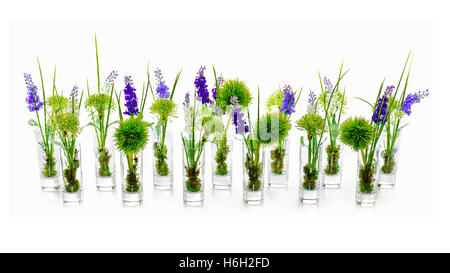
162 89
202 87
312 97
327 84
111 78
219 83
74 92
380 114
411 99
186 100
234 100
389 90
130 97
288 103
239 122
33 100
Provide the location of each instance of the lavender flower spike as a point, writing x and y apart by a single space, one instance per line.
288 103
33 100
186 100
202 87
130 97
74 92
162 89
412 99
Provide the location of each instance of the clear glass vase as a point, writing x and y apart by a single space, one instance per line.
253 174
332 168
193 175
48 160
72 175
162 159
105 164
366 188
388 158
310 172
221 162
279 164
131 166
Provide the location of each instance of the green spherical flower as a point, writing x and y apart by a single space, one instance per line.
312 123
357 133
164 108
99 102
132 135
233 88
272 127
66 123
275 99
57 103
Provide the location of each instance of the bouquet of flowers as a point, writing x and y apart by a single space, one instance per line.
45 133
164 108
100 105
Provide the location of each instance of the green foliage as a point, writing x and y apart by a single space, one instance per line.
57 103
388 162
160 153
133 184
221 156
337 101
49 169
312 123
99 102
275 99
164 109
103 161
132 135
193 182
67 124
332 159
277 156
72 184
254 170
310 176
233 88
366 178
357 133
272 127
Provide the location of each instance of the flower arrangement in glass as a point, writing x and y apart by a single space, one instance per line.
64 118
311 152
282 102
222 142
363 136
336 101
389 155
131 137
164 109
100 105
44 134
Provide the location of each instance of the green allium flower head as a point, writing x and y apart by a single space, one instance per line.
357 133
132 135
272 127
99 102
164 108
233 88
312 123
66 123
58 103
275 99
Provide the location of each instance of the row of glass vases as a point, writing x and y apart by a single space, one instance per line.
221 162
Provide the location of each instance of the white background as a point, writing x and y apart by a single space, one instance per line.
265 45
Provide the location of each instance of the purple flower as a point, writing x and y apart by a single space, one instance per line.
130 97
327 84
33 100
219 83
110 79
162 89
186 100
234 100
380 114
411 99
74 92
202 87
239 122
389 90
288 103
312 97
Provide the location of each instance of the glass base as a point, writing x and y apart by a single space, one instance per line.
366 199
72 196
162 183
132 198
221 182
253 197
331 181
309 196
278 180
386 181
106 183
193 198
50 183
